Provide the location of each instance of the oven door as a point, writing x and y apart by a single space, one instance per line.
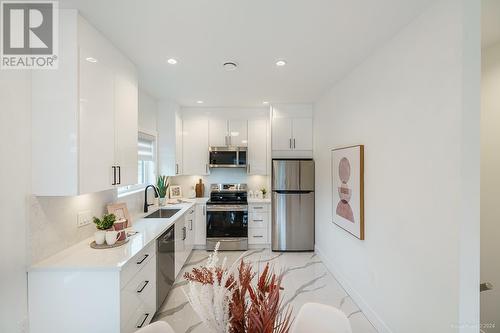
227 221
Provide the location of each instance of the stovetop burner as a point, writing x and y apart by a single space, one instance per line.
228 194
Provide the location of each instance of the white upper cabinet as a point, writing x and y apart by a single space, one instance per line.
97 130
126 127
257 146
238 132
195 144
169 139
292 127
302 133
217 132
282 134
223 132
178 143
84 124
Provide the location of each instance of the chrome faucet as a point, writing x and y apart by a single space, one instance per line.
157 194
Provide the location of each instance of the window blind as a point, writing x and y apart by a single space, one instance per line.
146 145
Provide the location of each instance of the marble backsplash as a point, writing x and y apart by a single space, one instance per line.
53 220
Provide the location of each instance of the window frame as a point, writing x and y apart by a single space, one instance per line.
132 189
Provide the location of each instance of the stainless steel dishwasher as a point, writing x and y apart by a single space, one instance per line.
165 263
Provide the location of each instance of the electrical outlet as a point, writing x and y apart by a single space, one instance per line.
83 218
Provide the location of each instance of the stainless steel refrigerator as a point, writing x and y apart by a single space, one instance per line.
293 205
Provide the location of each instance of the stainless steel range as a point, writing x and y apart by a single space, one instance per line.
227 217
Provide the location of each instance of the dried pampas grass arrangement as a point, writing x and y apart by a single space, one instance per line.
227 301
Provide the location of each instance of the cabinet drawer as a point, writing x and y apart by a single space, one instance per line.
257 236
136 264
140 290
258 208
258 220
140 318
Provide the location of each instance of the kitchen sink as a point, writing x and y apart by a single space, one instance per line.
162 213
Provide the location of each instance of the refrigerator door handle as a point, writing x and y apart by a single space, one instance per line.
292 191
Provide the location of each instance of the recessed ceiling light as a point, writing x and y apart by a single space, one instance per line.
172 61
90 59
199 102
265 102
230 66
280 63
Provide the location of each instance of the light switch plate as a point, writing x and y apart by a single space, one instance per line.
84 218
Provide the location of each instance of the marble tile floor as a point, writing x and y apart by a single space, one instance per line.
306 279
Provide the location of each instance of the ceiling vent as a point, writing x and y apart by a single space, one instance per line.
230 66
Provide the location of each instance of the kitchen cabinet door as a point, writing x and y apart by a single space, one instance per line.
126 127
190 230
217 132
97 125
195 145
200 237
302 134
257 147
282 133
238 133
178 144
180 245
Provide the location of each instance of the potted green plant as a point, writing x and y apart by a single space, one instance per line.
162 184
264 192
102 225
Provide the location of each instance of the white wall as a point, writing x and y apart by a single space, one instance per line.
15 177
223 176
404 103
490 185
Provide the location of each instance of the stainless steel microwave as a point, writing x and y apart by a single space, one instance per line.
227 157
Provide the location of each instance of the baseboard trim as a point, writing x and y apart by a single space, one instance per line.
371 315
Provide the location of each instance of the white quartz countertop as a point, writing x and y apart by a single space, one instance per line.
82 257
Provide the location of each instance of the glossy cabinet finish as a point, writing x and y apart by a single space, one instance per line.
200 225
257 146
292 127
195 144
96 120
93 95
259 216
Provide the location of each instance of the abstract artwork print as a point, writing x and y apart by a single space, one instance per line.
348 189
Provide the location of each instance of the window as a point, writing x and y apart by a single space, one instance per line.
146 163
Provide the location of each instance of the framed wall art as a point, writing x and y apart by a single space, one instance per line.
348 189
175 192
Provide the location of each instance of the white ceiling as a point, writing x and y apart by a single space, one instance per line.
321 40
490 22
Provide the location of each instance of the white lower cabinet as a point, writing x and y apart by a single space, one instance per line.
104 300
259 223
138 299
200 235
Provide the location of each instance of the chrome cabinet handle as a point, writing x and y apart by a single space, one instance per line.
258 207
293 143
258 220
191 225
176 168
204 210
290 143
206 168
146 315
142 260
183 233
143 286
119 175
258 236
